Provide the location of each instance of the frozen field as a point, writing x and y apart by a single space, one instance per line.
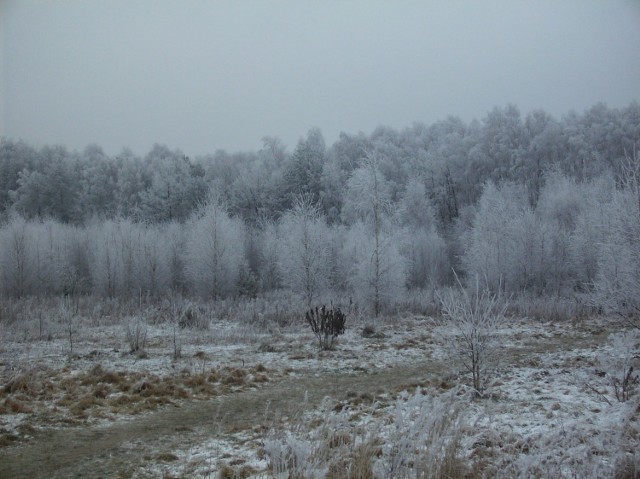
261 400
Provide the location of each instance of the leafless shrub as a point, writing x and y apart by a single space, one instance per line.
473 319
136 332
369 331
193 318
619 363
326 324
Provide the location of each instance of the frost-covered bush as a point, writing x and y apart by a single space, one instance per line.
576 450
471 319
422 438
136 334
618 364
292 457
188 315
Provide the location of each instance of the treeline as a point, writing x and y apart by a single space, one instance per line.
530 204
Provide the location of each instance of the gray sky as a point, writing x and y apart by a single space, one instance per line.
204 75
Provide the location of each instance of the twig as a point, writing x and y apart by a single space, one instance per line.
589 386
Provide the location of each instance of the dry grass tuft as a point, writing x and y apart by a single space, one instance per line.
111 377
101 391
339 439
235 377
22 383
196 381
357 465
167 457
143 388
16 407
226 471
357 399
82 407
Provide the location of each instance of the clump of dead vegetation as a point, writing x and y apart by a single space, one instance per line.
66 398
421 438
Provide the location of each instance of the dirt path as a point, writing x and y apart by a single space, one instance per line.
119 450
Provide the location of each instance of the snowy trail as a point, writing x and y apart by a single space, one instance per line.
121 449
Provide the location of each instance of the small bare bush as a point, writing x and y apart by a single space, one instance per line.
473 319
191 317
618 364
136 332
326 324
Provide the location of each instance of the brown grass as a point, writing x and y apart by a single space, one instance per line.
358 465
22 383
226 471
167 457
84 403
16 407
339 439
111 377
101 391
234 377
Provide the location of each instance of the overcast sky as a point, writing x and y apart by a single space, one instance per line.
207 75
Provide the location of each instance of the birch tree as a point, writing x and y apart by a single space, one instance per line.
215 251
304 255
377 262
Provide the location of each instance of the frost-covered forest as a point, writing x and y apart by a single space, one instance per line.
532 204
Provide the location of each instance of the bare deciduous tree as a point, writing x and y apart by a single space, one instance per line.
618 281
17 272
368 203
304 256
471 320
215 251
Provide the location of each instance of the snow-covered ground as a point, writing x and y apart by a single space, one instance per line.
549 409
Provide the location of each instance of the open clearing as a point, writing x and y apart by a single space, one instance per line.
235 389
